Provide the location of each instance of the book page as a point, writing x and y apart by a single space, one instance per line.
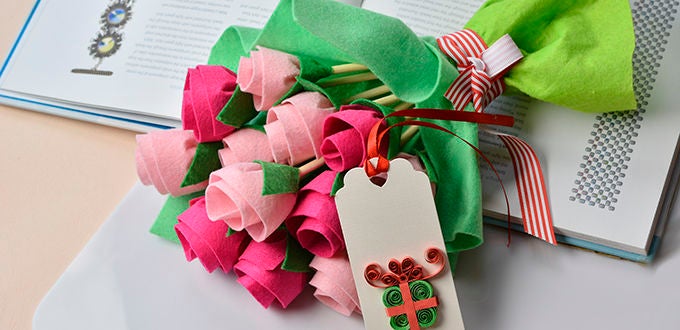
154 47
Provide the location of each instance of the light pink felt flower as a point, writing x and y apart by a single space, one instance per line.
345 134
334 284
294 127
208 240
234 195
245 145
207 89
163 159
314 220
268 74
259 271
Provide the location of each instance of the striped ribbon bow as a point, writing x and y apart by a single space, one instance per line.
480 81
481 68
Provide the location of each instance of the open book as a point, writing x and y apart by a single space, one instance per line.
611 177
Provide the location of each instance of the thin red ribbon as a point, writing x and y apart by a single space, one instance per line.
377 134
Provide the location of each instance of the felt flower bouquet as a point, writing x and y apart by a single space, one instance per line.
277 116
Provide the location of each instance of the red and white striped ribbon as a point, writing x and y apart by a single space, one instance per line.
480 67
533 196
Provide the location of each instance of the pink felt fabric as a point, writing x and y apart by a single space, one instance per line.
245 145
163 159
234 195
268 75
314 220
206 240
294 127
259 271
207 89
335 285
345 134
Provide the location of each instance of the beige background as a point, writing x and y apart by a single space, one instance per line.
59 180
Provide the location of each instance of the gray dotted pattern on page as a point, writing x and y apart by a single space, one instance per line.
602 172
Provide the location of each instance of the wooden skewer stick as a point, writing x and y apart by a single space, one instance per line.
311 166
371 93
403 106
407 134
350 67
366 76
388 99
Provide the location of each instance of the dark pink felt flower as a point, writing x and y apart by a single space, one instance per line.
207 89
314 220
345 134
207 240
259 271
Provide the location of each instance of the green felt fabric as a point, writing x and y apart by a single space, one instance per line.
164 225
279 179
257 122
206 160
310 70
239 109
297 258
577 53
338 95
235 42
345 34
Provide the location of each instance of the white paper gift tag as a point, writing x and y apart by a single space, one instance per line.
385 225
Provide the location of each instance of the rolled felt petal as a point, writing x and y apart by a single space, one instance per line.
163 158
259 271
314 220
207 89
234 195
334 284
345 134
294 127
207 240
268 74
245 145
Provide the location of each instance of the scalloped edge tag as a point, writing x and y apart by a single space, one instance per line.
393 221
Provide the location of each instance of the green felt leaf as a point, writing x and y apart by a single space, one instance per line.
164 225
577 54
279 179
229 232
206 160
236 41
338 183
297 258
239 110
431 173
311 70
257 122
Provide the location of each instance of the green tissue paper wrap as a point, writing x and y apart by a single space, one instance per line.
561 44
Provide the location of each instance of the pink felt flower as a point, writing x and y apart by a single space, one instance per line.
163 159
345 134
245 145
207 89
208 240
314 220
268 74
334 284
259 271
234 195
294 127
